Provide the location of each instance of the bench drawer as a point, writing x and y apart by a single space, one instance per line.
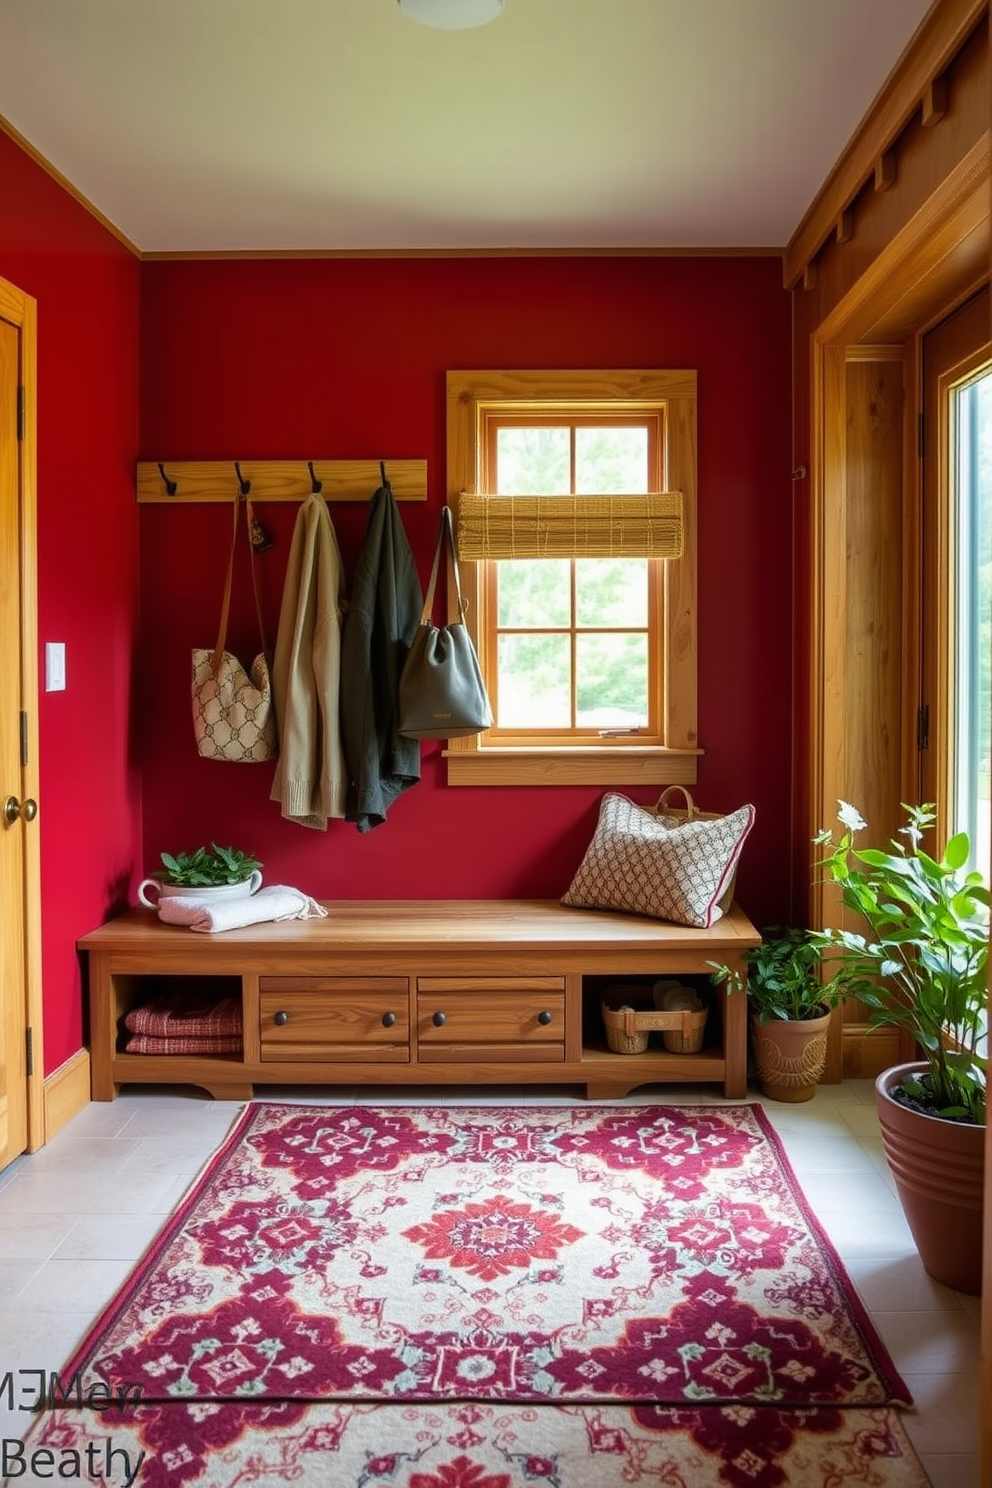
491 1018
322 1018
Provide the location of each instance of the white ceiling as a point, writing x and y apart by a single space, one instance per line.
211 125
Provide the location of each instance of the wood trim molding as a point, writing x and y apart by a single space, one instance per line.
46 165
938 39
627 767
67 1092
21 310
671 756
897 281
276 480
562 251
868 1051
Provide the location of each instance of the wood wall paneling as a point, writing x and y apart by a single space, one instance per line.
872 629
858 705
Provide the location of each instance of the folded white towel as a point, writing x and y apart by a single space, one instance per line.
278 902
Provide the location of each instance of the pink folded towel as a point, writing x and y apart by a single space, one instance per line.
278 902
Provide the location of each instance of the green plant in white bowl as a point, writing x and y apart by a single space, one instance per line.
209 866
214 872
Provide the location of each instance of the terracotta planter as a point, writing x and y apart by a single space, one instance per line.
790 1057
939 1169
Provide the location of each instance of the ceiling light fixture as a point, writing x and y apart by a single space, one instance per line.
452 15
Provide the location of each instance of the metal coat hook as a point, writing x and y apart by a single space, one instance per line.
382 472
171 486
243 485
316 486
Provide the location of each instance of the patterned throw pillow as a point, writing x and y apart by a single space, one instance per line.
659 866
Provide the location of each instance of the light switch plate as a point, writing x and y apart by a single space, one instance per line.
55 666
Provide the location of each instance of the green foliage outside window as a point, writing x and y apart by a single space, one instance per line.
536 595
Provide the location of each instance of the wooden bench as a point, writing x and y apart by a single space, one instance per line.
416 992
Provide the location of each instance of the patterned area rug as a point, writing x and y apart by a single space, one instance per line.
476 1297
473 1445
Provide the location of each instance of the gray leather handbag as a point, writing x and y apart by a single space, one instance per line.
442 694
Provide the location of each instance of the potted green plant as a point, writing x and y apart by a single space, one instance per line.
213 873
790 1006
919 964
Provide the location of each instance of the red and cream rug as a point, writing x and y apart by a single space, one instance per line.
477 1297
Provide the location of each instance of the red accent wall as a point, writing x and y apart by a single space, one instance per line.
324 358
87 288
347 358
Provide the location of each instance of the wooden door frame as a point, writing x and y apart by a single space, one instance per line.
20 310
941 257
937 260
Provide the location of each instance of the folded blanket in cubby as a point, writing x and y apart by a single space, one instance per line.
172 1015
142 1043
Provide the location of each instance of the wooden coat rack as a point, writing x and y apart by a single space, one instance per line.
178 482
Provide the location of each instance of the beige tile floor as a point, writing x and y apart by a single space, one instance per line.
75 1216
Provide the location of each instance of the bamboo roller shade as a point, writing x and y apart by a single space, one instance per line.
278 480
570 526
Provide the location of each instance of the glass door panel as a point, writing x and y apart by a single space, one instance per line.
971 504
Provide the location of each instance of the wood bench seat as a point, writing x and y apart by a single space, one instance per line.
416 992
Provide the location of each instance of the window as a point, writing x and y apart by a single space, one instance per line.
958 575
574 483
972 685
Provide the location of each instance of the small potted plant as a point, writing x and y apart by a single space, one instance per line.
921 968
790 1006
212 873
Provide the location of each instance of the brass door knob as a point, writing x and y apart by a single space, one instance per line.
13 808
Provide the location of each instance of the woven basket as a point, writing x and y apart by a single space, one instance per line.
629 1016
688 812
685 1036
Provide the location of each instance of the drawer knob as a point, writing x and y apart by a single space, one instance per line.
544 1018
280 1018
439 1020
388 1019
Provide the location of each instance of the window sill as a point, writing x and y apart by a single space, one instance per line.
632 765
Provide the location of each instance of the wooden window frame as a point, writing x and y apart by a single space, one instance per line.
961 352
473 397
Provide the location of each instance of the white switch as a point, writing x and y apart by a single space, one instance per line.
55 666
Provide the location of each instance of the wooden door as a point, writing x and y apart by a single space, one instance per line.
21 1110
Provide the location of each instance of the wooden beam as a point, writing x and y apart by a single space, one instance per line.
938 39
844 230
809 276
276 480
885 171
936 99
